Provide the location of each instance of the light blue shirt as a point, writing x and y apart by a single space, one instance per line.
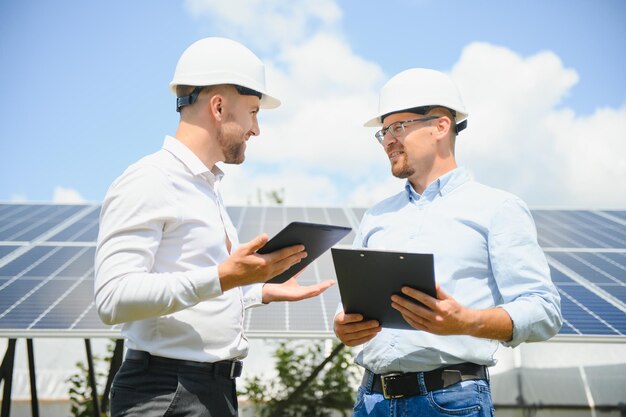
484 243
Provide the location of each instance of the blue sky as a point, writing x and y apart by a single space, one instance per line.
84 93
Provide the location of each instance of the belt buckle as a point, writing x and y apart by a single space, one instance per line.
233 369
389 377
450 377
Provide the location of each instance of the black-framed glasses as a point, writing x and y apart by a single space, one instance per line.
396 129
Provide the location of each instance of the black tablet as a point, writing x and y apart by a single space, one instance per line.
367 279
316 238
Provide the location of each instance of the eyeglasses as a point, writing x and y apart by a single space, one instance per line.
396 129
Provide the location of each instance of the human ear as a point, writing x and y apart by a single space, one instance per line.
216 104
443 125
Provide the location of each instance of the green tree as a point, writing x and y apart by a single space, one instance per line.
274 196
309 384
81 396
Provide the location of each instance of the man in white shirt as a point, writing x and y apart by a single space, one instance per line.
169 265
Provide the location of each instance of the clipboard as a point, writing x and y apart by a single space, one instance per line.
316 238
367 279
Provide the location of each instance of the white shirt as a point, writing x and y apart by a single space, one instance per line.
163 231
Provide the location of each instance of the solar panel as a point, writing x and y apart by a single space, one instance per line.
27 223
83 230
587 254
314 316
578 229
5 250
584 311
47 252
619 215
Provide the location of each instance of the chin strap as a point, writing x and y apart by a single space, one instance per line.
188 100
461 126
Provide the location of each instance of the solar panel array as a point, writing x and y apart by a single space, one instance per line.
47 252
587 255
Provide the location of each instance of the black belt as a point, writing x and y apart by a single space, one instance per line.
228 369
398 385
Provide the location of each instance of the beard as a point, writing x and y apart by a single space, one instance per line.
233 143
401 168
234 153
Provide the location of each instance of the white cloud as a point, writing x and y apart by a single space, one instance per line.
18 198
322 136
327 90
314 146
375 190
519 140
278 21
64 195
592 153
242 185
508 97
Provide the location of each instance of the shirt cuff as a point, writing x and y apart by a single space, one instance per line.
206 282
518 312
252 295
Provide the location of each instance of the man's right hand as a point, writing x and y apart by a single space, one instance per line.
353 331
244 266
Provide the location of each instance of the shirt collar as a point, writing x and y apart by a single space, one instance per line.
440 187
189 159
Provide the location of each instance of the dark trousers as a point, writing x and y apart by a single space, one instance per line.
148 389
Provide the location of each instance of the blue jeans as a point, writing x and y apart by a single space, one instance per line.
467 398
150 390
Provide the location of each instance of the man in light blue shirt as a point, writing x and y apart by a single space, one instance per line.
493 280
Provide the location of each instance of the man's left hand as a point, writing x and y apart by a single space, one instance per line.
445 316
442 315
291 290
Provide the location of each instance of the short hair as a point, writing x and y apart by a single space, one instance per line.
451 114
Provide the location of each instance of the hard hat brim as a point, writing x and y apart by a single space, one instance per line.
268 102
374 122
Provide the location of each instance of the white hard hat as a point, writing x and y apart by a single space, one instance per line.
214 61
419 87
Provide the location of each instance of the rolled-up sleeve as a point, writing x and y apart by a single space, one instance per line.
522 275
134 214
